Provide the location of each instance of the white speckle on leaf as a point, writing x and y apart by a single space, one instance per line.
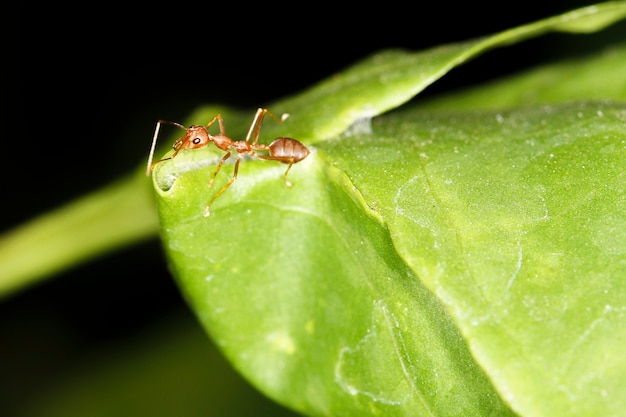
363 124
282 342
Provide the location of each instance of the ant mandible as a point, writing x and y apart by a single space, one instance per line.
286 150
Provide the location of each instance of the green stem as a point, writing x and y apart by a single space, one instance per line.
119 214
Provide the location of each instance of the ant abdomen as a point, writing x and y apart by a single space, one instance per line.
288 151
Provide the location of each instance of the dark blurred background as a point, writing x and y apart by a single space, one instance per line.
90 81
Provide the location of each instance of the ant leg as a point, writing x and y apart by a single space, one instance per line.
219 166
284 160
255 127
287 182
207 209
150 164
220 122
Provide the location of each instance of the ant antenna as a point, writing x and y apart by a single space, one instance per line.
154 141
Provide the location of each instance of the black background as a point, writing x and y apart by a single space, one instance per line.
89 82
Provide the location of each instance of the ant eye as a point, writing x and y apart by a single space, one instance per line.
196 141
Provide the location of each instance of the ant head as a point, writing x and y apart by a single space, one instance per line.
195 137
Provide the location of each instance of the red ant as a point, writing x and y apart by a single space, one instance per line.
286 150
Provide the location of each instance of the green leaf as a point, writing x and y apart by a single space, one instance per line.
515 220
600 77
429 263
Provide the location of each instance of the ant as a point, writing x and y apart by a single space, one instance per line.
285 150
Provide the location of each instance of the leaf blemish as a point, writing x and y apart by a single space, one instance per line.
518 266
282 342
352 380
357 370
361 126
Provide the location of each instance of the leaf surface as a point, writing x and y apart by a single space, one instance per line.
515 221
